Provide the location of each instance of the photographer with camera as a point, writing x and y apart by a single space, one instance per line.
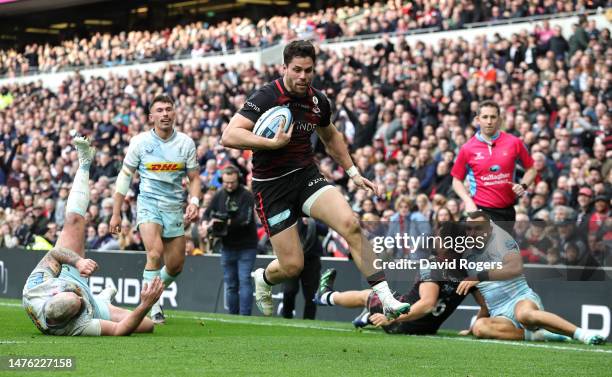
230 218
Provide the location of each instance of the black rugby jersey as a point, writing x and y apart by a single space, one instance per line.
309 112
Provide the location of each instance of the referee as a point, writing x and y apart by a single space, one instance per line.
488 160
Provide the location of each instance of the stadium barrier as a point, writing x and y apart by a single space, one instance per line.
200 286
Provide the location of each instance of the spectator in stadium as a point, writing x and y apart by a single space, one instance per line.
310 232
51 108
407 220
230 218
489 160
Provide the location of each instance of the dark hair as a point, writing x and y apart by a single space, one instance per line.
231 169
164 98
488 103
302 49
477 214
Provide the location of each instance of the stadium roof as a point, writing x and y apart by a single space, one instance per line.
17 7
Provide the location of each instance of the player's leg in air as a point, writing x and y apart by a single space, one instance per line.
332 208
290 258
72 236
57 296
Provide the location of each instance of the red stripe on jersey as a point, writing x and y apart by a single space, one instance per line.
278 85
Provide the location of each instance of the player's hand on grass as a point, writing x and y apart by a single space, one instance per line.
465 332
379 319
86 267
282 138
115 224
465 286
368 185
151 292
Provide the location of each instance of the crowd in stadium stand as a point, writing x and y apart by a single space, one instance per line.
199 38
404 109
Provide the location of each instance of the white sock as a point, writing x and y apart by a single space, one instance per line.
78 199
328 298
383 292
533 335
580 334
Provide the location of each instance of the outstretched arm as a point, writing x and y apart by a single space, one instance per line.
428 292
148 296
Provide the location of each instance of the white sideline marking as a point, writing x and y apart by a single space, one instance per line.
304 326
298 325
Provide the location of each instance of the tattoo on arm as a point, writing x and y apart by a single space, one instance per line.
54 259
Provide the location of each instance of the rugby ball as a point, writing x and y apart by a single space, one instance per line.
268 123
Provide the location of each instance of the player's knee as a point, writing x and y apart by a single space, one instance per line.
154 256
351 226
526 318
480 328
293 269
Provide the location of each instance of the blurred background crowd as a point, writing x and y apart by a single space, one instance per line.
404 109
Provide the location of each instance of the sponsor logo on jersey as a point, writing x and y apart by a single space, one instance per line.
164 167
305 126
253 106
315 100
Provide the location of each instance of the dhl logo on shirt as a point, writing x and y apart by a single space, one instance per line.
163 167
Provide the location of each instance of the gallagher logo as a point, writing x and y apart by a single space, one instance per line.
163 167
495 168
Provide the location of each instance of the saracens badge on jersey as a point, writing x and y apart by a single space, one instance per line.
315 101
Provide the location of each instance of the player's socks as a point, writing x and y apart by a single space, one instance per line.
149 275
542 335
326 299
588 337
157 314
78 199
264 278
166 277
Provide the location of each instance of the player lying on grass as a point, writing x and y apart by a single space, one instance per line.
515 311
433 296
56 295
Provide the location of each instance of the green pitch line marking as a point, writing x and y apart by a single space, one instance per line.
439 337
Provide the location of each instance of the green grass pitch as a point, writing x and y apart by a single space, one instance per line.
202 344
